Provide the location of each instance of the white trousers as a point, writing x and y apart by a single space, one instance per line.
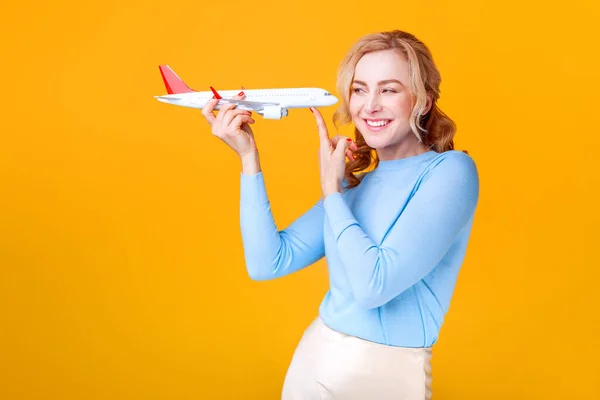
330 365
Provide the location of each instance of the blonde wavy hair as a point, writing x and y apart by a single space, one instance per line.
433 128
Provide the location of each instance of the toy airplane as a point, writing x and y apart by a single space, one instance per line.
270 103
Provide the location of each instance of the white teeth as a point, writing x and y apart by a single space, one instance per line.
377 123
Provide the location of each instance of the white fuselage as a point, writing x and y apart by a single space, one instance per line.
285 98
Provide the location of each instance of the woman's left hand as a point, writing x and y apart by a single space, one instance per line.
332 158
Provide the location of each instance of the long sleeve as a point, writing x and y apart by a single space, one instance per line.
270 253
442 205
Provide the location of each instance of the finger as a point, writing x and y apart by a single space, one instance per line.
207 111
247 120
353 147
246 125
350 155
223 111
323 134
240 119
335 139
228 119
241 95
341 148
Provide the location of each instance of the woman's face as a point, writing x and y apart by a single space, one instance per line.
381 104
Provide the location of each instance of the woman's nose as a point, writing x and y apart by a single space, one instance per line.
372 104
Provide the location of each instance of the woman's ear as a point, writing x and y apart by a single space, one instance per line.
429 104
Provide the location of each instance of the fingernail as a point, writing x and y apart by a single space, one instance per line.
349 139
311 110
240 93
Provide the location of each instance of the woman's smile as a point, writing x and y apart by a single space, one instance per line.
376 125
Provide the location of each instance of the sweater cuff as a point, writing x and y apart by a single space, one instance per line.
252 189
338 213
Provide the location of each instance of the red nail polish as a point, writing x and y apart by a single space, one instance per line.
240 93
311 110
349 139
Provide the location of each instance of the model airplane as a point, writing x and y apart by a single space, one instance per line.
270 103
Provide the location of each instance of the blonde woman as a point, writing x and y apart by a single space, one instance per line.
393 222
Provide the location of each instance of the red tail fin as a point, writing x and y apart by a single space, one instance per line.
173 83
216 94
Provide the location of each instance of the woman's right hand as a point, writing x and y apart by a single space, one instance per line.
231 125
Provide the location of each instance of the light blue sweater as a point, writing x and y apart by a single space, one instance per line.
394 245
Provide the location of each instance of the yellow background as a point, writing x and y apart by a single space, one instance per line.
121 266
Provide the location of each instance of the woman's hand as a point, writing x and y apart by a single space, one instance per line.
232 126
332 157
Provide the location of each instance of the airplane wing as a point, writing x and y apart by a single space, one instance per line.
244 104
167 98
253 104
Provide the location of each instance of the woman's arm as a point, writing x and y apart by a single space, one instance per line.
270 253
418 239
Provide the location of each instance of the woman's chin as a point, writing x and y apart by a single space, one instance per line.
374 141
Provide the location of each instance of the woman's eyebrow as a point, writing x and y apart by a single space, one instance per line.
380 82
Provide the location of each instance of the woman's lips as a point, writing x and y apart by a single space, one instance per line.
377 125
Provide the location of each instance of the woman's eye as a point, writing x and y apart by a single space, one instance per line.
389 90
356 90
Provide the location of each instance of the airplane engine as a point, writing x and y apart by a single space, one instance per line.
274 112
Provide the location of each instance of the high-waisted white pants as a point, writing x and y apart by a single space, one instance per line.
330 365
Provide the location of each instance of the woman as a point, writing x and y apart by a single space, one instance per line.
393 223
